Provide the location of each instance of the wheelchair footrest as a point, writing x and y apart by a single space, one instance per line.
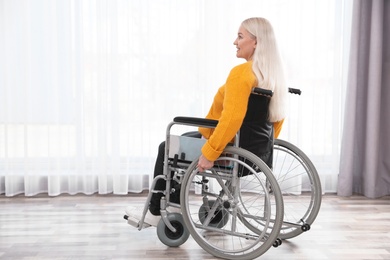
135 222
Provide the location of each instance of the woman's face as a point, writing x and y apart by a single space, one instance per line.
245 44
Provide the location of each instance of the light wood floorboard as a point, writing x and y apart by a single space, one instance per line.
92 227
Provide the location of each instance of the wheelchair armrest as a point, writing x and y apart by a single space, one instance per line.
196 121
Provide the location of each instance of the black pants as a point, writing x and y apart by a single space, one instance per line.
154 206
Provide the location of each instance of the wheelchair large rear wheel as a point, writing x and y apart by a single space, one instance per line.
242 194
300 186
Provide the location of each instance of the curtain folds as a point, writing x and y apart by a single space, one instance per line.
87 88
365 153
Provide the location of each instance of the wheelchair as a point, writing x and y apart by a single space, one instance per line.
236 209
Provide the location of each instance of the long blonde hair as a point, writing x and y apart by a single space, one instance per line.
267 65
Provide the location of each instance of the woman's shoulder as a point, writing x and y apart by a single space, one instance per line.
243 66
243 70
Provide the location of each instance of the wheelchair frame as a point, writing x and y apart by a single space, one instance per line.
220 216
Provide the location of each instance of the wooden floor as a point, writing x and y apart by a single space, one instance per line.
92 227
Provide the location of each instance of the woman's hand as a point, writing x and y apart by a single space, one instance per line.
204 164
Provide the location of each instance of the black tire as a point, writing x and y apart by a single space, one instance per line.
220 218
169 238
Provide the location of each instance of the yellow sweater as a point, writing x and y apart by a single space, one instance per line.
229 107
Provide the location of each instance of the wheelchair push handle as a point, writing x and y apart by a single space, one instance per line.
294 91
269 93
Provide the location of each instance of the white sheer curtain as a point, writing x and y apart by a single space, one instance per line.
88 87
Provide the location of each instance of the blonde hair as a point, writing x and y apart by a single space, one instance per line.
267 65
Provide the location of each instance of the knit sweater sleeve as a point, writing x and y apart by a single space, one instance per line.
229 108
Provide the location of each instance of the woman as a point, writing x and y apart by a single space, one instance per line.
257 45
232 104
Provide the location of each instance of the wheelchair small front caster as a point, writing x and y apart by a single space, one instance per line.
277 242
220 218
169 238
